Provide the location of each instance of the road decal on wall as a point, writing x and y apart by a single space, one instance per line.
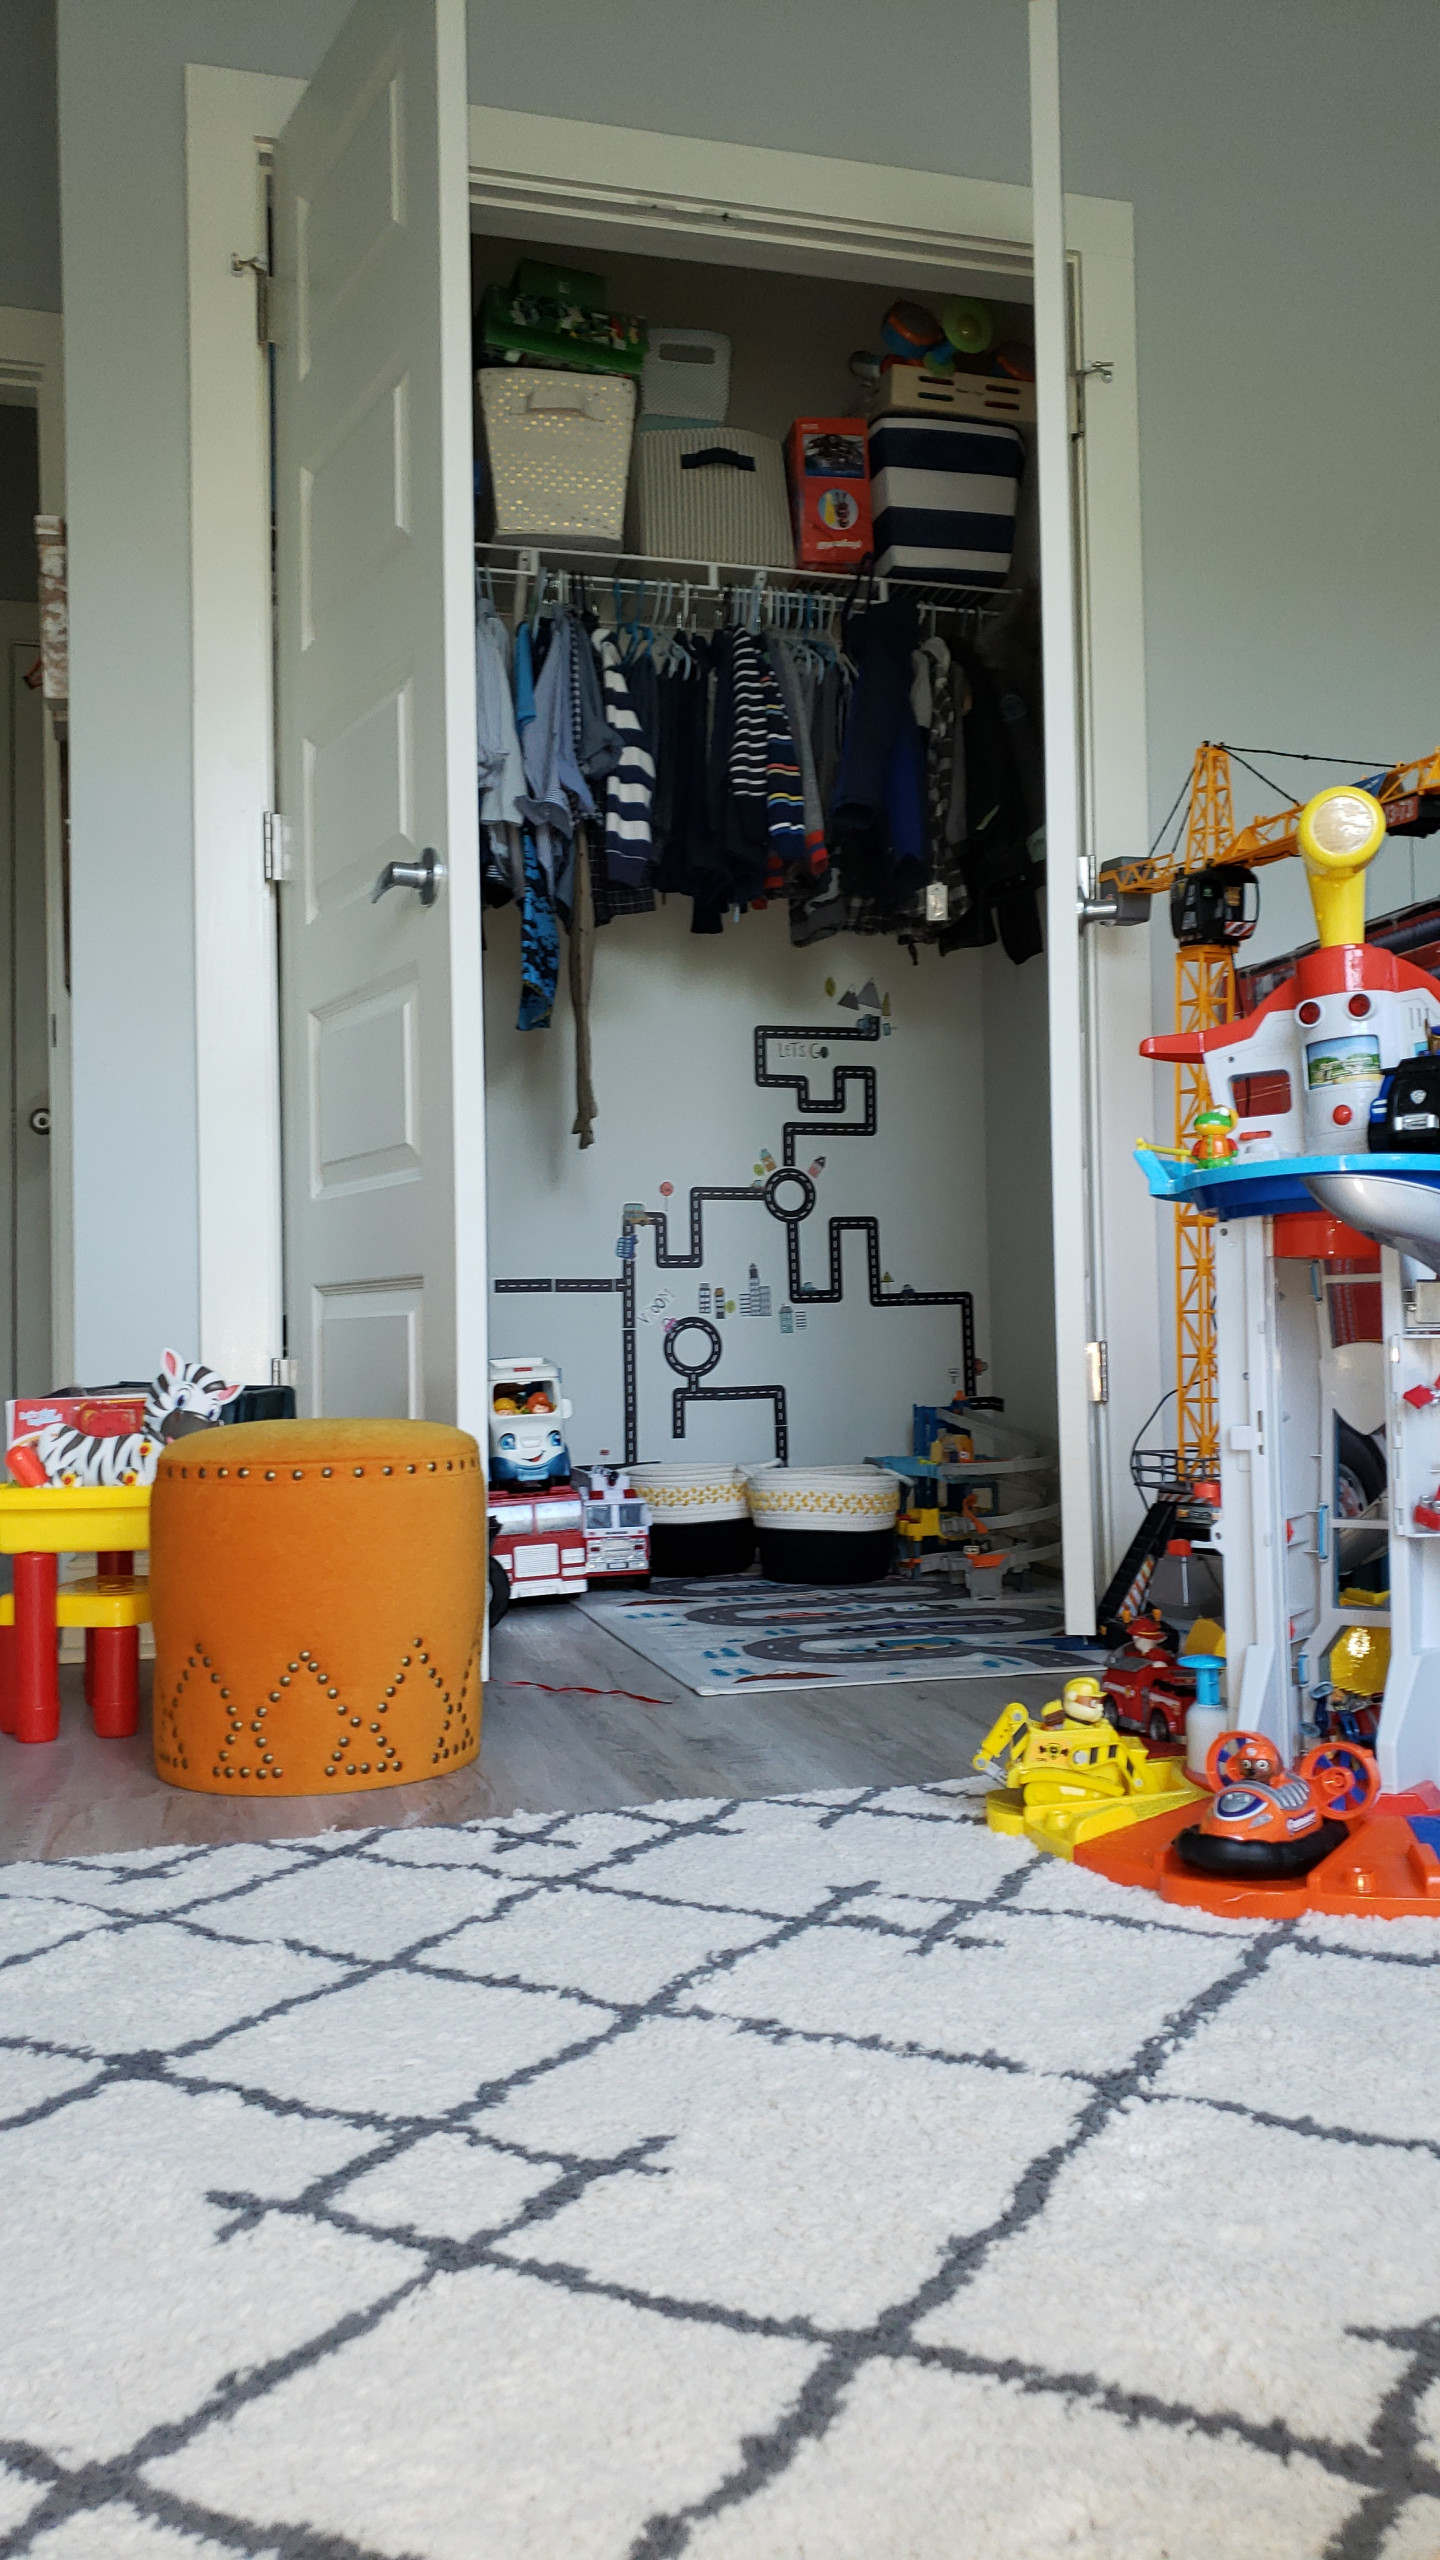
789 1195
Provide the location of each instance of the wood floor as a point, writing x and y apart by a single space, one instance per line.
546 1747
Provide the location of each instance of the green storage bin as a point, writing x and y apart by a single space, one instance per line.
517 324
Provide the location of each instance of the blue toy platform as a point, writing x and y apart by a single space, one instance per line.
1272 1189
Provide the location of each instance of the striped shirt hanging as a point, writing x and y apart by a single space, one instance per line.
629 790
785 800
750 739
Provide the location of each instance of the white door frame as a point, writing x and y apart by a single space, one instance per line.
229 117
32 373
725 203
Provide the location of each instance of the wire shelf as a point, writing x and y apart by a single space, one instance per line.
683 589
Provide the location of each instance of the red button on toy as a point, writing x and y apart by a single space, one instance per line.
1358 1005
1343 1113
1310 1012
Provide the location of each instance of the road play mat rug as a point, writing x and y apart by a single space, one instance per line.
721 1635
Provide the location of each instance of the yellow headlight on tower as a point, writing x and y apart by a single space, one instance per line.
1341 831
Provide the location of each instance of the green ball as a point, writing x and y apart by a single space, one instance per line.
969 325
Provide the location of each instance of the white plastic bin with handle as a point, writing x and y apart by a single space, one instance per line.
686 375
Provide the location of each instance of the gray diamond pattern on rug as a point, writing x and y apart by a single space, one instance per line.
821 2179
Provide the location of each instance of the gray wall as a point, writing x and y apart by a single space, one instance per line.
1280 158
29 177
122 186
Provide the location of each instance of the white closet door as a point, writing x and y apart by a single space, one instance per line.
380 1001
1069 1063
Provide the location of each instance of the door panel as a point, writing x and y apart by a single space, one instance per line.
364 1091
380 1001
367 1347
356 505
359 801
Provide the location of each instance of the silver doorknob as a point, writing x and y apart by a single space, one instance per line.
424 875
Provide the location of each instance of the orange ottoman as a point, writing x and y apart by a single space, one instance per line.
317 1594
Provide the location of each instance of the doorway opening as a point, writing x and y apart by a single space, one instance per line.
819 1178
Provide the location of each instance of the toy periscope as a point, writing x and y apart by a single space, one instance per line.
527 1410
1317 1163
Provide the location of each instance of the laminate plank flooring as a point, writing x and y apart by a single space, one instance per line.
546 1747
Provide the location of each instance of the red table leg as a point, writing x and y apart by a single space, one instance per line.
114 1687
37 1677
7 1680
112 1693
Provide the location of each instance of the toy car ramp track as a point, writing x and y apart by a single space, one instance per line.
1386 1865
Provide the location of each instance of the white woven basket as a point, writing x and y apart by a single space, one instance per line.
845 1499
711 493
690 1496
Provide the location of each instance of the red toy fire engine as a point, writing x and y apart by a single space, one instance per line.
1147 1690
537 1541
617 1524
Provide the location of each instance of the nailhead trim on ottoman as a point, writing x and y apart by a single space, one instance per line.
317 1591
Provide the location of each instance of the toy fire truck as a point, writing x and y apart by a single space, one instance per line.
617 1525
538 1543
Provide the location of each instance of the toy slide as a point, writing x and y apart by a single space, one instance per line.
1405 1214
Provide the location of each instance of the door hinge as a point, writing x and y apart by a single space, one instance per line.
259 268
284 1373
1100 370
1097 1370
275 844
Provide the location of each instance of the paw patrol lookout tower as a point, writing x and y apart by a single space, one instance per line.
1333 1170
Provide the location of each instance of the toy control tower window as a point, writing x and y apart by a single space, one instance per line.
1253 1096
1345 1061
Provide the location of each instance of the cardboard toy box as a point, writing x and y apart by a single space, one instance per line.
100 1417
829 468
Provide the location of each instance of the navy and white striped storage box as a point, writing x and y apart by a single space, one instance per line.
943 492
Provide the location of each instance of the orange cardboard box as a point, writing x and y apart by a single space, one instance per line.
828 461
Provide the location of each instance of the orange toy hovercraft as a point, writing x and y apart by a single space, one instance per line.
1264 1821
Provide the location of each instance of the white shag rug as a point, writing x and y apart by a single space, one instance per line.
822 2179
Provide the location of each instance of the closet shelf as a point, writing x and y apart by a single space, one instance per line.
693 581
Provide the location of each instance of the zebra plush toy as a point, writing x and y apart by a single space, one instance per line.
184 1397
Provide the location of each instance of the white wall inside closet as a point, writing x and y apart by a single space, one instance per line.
673 1023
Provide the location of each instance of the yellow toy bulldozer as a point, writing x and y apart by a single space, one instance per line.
1069 1776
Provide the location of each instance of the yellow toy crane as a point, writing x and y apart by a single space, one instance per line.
1209 885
